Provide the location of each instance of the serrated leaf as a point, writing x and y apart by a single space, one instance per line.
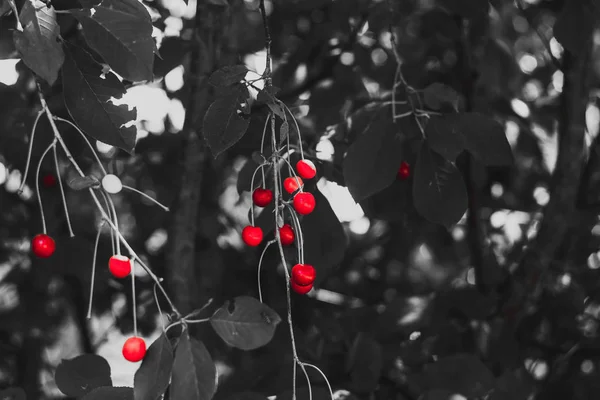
575 25
439 192
245 323
153 376
225 122
459 373
121 32
88 94
325 241
444 137
437 94
83 182
372 161
38 43
13 394
228 75
80 375
110 393
194 373
483 137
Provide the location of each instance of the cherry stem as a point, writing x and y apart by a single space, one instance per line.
162 317
133 297
86 140
146 196
113 239
298 231
97 201
93 278
28 163
308 381
264 134
323 375
262 255
297 129
37 184
252 191
62 192
115 219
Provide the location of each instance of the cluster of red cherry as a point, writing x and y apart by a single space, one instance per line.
303 275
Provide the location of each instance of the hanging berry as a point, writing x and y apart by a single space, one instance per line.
119 266
134 349
292 184
304 203
303 274
306 169
43 246
300 289
262 197
286 234
252 235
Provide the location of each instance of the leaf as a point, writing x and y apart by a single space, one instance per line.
325 241
372 161
271 101
225 121
468 301
437 94
153 376
80 375
88 94
245 323
121 32
13 394
228 75
444 138
110 393
365 363
439 192
459 373
284 131
483 137
38 43
575 25
194 373
83 182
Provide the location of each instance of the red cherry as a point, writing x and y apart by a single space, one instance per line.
292 184
404 170
134 349
43 245
299 288
119 266
304 203
286 233
252 235
303 274
49 181
306 169
262 197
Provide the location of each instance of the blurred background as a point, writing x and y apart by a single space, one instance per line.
399 291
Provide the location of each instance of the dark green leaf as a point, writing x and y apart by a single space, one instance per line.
439 192
483 137
13 394
271 101
194 373
110 393
225 121
325 241
83 182
228 75
372 161
459 373
437 94
365 363
121 32
153 376
575 25
38 43
444 138
88 93
245 323
79 375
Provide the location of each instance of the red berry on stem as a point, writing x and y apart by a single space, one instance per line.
299 288
306 169
304 203
292 184
404 170
252 235
119 266
49 181
134 349
303 274
262 197
286 234
43 245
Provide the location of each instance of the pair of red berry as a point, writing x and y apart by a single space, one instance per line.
302 279
253 235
